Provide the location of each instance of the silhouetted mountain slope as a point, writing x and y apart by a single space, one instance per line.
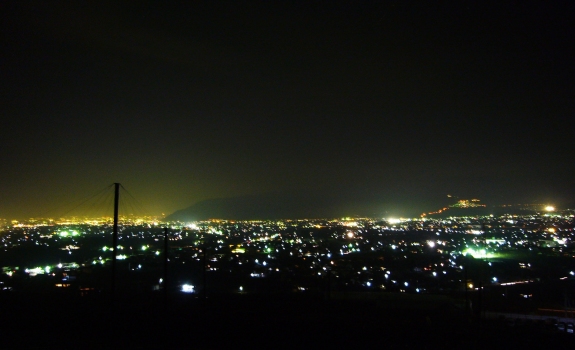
484 211
266 207
293 205
338 204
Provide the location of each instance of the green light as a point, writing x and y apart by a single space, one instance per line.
481 254
64 233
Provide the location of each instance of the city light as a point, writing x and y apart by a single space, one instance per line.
188 288
478 254
425 256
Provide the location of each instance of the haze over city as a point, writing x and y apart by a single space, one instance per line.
376 106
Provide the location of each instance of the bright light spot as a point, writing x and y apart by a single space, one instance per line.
60 265
144 247
393 221
434 274
157 252
560 241
481 254
187 288
494 279
549 208
406 284
35 271
64 233
121 257
241 289
350 235
431 244
47 269
470 285
368 284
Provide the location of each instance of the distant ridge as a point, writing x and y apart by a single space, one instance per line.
484 211
309 205
293 206
266 207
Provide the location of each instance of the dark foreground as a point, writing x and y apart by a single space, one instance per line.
255 321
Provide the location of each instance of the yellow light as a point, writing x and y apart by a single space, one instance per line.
549 208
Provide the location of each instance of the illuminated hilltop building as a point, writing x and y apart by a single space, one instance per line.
465 203
462 203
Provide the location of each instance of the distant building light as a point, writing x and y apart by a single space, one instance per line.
187 288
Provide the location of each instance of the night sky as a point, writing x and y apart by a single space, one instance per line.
401 102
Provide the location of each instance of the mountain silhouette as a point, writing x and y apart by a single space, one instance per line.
295 206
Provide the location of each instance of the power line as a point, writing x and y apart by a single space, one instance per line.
99 193
137 205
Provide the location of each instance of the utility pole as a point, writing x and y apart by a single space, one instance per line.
205 261
166 267
465 265
115 239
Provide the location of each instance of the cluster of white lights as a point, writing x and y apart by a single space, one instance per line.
187 288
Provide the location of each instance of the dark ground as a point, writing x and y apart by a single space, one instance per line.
250 321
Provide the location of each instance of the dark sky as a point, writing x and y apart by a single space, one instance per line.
401 101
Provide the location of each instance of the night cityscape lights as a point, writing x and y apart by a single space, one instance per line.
422 255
